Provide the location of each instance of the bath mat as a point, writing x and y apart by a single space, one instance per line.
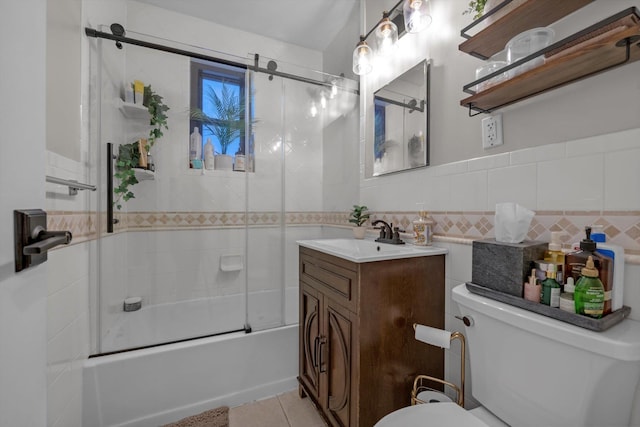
218 417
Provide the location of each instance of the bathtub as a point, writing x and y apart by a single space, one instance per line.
158 385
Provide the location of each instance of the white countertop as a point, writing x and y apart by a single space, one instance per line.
366 250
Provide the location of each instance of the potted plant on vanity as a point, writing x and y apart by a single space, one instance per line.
137 154
227 125
359 215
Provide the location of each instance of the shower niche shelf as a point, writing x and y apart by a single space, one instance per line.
144 174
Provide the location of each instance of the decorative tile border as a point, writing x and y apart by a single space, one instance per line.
621 227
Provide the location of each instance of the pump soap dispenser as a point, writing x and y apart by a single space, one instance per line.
423 228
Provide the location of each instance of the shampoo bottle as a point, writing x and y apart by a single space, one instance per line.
589 294
208 155
576 261
551 288
195 149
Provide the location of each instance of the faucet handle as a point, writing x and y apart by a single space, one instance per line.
396 235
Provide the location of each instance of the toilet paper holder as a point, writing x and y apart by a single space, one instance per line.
421 381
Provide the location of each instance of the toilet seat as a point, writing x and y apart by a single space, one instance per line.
431 415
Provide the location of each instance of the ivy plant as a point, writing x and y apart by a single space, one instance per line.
158 111
128 158
475 7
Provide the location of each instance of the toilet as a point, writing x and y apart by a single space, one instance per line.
531 370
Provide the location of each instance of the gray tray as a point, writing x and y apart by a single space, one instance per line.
597 325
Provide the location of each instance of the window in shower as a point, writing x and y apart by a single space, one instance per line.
219 92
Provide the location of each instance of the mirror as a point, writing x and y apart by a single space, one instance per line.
401 122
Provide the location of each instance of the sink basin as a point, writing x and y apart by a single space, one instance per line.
367 250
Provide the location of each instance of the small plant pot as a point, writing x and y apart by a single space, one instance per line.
359 232
223 162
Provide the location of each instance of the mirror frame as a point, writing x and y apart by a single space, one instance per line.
417 103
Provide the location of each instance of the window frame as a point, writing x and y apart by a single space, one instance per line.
223 73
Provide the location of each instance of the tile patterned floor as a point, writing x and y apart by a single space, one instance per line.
284 410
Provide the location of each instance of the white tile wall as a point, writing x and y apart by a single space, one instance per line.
592 174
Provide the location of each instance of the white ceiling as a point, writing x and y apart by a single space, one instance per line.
309 23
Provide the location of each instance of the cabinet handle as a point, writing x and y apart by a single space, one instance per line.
323 341
316 341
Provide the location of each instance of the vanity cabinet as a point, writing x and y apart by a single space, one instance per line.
358 356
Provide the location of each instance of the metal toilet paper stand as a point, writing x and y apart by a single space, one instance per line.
422 393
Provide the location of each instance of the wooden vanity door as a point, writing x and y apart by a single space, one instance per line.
310 306
336 362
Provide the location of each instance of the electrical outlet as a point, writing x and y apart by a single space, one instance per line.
492 131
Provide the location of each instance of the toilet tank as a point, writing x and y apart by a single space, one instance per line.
531 370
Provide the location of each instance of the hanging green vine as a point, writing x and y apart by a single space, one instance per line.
129 154
158 111
128 159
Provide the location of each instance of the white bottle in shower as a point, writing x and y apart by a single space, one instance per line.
208 155
195 149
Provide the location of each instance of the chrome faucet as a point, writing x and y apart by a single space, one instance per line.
388 233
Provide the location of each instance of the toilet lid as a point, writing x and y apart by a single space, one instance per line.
431 415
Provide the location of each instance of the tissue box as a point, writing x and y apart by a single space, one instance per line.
502 266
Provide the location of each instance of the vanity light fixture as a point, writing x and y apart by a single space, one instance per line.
386 35
415 17
362 56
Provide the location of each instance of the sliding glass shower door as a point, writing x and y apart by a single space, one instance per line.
199 251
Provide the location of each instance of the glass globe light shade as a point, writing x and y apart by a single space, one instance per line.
416 15
386 36
362 56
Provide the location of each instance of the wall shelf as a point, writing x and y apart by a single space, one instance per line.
603 46
144 174
531 14
133 111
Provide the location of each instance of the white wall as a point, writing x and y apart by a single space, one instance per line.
22 295
594 106
72 156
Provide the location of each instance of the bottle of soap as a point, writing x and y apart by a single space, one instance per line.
576 261
567 302
616 253
589 294
195 149
422 228
551 288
